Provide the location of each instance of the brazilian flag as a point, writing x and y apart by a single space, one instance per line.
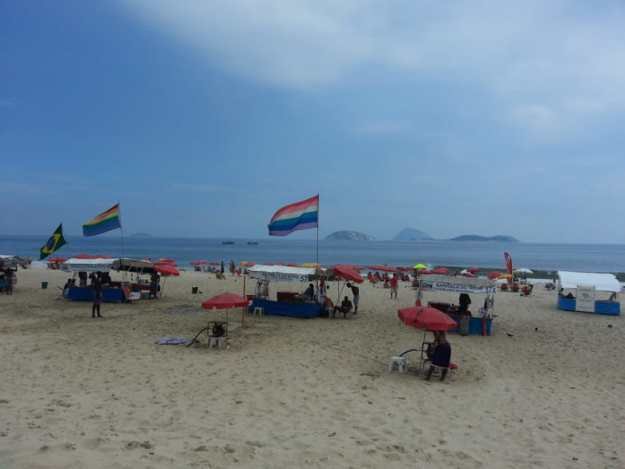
53 244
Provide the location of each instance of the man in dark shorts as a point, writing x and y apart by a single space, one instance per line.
356 296
96 285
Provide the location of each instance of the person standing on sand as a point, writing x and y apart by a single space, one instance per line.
394 285
97 296
356 296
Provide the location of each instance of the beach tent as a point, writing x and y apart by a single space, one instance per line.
585 286
601 282
7 261
75 264
281 273
471 285
133 265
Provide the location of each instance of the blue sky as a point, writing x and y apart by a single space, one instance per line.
202 118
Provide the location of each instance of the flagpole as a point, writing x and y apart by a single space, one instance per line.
317 243
121 230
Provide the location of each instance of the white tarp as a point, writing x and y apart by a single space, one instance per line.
280 272
89 265
601 282
133 265
457 284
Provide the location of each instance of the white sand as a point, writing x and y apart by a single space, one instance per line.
77 392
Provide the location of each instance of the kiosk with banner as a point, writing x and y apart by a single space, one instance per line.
288 303
579 291
480 322
81 268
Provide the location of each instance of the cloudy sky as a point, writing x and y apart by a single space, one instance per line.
203 117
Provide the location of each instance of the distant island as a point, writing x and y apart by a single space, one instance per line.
499 238
412 234
347 235
140 235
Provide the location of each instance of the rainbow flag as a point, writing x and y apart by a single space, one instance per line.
106 221
298 216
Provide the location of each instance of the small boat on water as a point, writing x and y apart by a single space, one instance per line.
227 242
253 243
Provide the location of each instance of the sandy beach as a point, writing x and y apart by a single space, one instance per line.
545 390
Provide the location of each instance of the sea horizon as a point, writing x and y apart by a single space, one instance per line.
486 254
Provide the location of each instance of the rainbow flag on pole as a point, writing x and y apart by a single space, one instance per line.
106 221
298 216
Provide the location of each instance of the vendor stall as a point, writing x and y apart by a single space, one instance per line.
297 306
588 292
78 289
477 322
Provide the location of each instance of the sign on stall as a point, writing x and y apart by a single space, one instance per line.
585 300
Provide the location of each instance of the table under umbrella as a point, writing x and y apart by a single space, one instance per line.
225 301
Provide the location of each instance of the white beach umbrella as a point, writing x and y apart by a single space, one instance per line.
523 270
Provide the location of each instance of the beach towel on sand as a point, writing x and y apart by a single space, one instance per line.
173 341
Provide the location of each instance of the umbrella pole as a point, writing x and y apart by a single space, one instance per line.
243 309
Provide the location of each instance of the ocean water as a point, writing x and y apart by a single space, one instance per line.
580 257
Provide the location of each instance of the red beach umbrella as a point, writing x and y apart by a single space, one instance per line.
225 301
199 262
382 268
494 275
427 318
347 272
166 261
473 270
166 270
441 271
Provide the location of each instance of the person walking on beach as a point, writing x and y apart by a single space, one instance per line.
394 285
96 285
356 296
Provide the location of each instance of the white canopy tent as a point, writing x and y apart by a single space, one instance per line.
89 265
458 284
601 282
280 273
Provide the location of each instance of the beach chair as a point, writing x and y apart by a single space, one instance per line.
216 332
441 371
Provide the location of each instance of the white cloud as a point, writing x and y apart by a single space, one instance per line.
540 60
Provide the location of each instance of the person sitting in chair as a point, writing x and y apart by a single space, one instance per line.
309 294
346 307
441 357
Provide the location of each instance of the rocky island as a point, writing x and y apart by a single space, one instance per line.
347 235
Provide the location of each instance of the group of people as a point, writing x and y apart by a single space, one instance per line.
7 275
319 295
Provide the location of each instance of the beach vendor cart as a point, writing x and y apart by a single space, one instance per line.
77 288
479 321
143 282
287 303
588 292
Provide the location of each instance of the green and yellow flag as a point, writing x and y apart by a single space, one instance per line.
53 244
